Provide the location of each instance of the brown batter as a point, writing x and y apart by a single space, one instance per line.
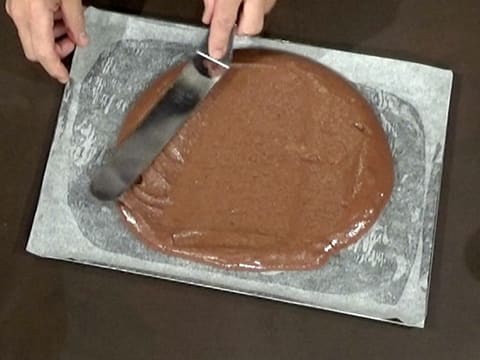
283 165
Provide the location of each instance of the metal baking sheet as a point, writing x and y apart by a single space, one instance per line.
385 276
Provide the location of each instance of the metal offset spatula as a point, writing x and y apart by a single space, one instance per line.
133 156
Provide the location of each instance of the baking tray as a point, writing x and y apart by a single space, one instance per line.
385 276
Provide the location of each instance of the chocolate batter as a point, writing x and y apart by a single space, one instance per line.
283 165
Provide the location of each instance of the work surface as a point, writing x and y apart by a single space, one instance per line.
51 310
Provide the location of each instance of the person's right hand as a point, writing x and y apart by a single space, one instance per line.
222 15
49 31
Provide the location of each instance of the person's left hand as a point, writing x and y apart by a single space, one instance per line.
49 30
222 15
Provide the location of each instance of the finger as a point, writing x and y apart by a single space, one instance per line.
208 11
43 42
251 19
64 47
26 41
58 15
59 30
75 22
23 28
223 20
269 6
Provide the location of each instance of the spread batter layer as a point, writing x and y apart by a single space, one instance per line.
281 166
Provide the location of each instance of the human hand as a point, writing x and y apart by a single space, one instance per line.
222 15
49 30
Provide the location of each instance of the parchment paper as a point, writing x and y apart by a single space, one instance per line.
384 276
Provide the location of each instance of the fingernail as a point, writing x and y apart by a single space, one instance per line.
83 39
218 53
64 80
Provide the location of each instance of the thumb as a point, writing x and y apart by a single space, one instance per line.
74 20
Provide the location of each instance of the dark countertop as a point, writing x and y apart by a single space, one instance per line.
57 310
